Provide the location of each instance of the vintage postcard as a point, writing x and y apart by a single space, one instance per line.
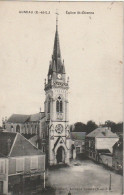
61 75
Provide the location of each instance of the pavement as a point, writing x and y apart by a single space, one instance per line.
84 178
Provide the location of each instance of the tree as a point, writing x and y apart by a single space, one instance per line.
90 126
115 127
119 127
79 127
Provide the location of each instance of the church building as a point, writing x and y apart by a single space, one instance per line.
50 128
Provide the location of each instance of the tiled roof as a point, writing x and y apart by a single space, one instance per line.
102 132
21 118
77 135
23 147
14 144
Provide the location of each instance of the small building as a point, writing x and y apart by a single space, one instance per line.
20 163
117 161
100 141
78 143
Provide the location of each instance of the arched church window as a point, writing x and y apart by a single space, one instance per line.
59 105
49 106
24 130
18 128
11 128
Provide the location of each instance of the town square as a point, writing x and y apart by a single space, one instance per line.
61 127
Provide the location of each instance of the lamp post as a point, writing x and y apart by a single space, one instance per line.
44 173
110 182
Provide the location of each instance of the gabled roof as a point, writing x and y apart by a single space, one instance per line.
102 132
18 118
57 141
14 144
78 135
21 118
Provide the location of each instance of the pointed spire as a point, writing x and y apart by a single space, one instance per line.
56 49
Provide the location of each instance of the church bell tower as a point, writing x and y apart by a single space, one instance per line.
56 108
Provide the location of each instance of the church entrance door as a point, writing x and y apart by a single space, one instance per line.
60 155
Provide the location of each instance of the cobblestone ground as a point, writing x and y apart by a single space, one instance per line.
84 178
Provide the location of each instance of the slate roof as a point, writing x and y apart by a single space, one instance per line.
14 144
102 132
18 118
78 135
21 118
36 117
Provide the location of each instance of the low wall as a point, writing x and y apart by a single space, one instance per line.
106 160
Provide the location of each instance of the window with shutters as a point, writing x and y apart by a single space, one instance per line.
2 166
19 164
34 162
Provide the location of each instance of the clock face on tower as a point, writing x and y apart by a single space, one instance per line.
59 76
59 128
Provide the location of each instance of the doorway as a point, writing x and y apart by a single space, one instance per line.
60 155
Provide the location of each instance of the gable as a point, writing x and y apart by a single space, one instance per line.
59 140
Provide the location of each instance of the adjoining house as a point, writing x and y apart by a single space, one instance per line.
20 163
77 143
117 161
100 141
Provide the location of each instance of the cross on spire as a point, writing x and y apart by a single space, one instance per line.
57 18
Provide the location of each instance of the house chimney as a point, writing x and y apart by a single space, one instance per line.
107 129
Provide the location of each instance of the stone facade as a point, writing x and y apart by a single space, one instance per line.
56 109
52 125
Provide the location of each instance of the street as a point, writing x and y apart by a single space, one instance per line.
82 178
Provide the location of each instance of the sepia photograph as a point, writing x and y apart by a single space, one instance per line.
61 100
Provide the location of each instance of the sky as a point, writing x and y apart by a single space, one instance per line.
91 46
